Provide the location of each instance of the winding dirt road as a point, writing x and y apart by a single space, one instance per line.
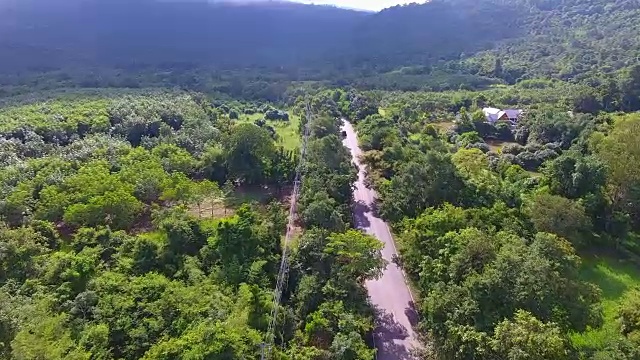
396 316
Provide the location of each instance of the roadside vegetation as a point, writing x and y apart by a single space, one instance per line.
151 226
516 238
101 257
513 249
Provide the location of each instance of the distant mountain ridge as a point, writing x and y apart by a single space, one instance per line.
112 32
264 33
508 40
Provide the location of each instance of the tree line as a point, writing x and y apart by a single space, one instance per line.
327 309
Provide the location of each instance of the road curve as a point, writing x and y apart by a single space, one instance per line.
396 316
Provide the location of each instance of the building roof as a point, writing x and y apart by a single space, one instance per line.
513 113
492 114
491 111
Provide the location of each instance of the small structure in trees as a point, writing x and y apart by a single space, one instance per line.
494 115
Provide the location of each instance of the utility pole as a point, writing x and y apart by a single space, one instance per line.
283 272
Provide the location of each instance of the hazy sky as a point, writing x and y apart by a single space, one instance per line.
360 4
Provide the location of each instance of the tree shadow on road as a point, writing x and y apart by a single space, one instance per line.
375 209
388 335
360 210
412 314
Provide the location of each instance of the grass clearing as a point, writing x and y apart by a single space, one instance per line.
444 126
287 131
615 278
497 145
220 207
245 118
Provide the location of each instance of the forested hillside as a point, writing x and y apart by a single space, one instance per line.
155 33
443 44
567 39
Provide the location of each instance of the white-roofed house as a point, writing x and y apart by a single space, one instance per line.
495 115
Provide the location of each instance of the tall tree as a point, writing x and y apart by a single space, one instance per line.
426 181
526 337
355 255
560 216
250 151
617 150
574 175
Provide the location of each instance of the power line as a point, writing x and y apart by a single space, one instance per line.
283 272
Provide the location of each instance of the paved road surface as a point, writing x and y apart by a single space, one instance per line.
390 294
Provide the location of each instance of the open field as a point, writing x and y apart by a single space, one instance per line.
287 131
219 207
250 117
615 278
497 145
443 126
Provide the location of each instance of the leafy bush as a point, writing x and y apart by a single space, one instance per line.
276 115
528 161
513 149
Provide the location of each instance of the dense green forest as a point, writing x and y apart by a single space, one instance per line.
150 226
149 150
